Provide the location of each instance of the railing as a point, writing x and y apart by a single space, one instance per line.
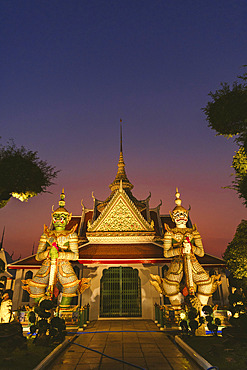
159 316
165 317
83 317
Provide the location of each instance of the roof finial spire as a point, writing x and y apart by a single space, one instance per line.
121 136
1 243
121 174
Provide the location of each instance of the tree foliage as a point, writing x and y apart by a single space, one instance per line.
226 113
236 253
239 184
47 331
23 174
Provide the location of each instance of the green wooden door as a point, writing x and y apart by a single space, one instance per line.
120 292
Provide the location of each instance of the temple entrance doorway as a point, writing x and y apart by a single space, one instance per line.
120 292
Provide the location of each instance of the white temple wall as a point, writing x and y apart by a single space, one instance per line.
17 288
148 293
92 294
17 295
225 288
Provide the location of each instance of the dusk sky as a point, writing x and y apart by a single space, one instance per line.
71 69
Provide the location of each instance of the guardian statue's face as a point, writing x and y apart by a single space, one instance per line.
60 220
180 218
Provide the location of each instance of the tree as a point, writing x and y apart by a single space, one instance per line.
236 253
236 259
227 115
23 174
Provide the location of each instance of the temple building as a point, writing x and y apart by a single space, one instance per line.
6 276
120 245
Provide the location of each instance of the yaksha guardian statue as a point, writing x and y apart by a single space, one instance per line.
56 248
185 273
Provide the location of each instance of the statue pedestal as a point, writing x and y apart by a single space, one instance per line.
70 316
172 317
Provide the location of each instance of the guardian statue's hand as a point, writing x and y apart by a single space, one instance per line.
186 248
54 251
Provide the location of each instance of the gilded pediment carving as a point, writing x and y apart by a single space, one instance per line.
120 214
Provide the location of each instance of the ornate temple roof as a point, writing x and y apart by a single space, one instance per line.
121 229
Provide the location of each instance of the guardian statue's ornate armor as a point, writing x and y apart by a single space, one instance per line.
185 273
56 248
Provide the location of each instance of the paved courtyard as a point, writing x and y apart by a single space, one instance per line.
137 342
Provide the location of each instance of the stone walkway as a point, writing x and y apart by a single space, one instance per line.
143 348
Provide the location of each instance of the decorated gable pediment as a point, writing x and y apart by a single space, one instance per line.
120 215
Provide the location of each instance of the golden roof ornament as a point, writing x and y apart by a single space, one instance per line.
121 174
121 186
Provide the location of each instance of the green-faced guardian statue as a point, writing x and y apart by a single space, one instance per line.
56 248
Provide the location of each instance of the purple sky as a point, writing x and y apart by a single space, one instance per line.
71 69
